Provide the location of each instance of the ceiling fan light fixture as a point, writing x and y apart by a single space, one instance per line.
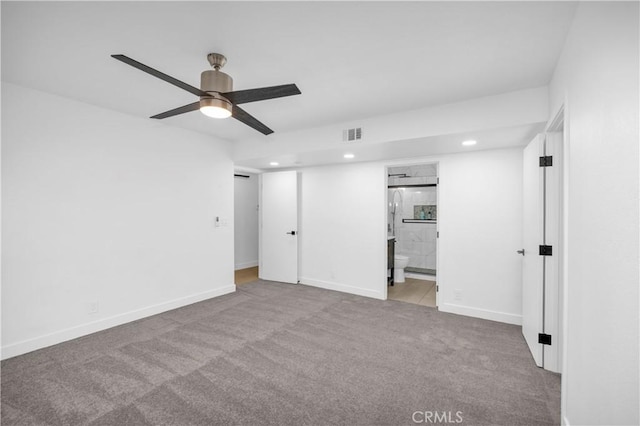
215 108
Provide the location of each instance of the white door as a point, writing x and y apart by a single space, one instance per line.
532 262
279 227
551 357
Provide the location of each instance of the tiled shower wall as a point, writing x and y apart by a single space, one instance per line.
424 173
418 241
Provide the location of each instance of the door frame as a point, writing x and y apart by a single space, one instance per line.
555 318
561 121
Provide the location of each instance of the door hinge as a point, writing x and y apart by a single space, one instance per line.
546 250
437 288
546 161
544 339
437 234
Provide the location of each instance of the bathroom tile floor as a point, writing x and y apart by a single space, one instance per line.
244 276
418 292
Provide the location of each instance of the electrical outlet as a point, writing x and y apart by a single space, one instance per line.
457 294
92 307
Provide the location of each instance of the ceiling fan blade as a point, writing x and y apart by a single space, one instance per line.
160 75
243 116
261 94
181 110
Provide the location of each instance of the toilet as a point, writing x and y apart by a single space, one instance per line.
399 263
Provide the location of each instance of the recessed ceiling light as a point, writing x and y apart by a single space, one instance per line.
349 155
469 142
274 163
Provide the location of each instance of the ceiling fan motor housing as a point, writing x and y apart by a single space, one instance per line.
215 82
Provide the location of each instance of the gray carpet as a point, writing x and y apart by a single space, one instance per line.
282 354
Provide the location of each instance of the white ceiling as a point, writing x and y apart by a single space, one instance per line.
504 137
351 60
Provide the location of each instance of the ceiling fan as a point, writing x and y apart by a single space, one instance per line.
217 98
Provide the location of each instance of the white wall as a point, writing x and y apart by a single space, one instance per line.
343 232
342 240
246 221
103 207
480 224
597 76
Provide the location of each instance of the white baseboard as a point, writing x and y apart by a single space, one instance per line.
245 265
60 336
344 288
481 313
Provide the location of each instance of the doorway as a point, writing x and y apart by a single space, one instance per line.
245 220
412 225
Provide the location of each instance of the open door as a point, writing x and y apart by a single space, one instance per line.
551 356
541 240
532 262
279 227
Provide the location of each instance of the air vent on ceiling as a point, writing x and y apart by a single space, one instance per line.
352 135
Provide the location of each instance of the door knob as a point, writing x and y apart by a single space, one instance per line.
521 252
291 233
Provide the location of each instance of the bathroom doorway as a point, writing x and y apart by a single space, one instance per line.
412 224
245 226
